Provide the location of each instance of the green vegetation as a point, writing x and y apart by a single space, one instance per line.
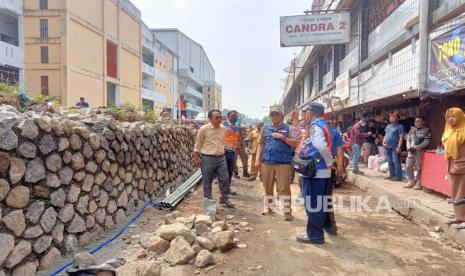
128 112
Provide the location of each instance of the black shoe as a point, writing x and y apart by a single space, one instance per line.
245 174
305 239
236 175
232 193
389 178
226 202
397 179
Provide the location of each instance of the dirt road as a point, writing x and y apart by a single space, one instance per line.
368 243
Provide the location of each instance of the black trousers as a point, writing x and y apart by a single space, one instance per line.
231 161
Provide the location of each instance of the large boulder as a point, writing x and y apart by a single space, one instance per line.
29 129
171 231
51 258
21 250
7 243
84 258
15 222
139 268
18 197
35 171
154 244
180 251
204 258
8 139
26 269
17 170
203 219
224 240
205 243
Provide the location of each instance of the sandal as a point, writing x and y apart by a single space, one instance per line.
452 221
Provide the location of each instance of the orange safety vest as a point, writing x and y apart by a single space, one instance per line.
182 104
233 134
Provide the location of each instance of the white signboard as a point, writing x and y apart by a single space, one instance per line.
342 86
315 29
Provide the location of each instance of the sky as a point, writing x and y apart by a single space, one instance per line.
241 39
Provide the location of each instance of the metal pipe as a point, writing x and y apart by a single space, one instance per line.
172 200
183 192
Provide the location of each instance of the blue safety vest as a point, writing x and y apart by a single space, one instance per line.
276 151
308 151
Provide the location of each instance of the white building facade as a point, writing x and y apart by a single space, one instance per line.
194 67
11 42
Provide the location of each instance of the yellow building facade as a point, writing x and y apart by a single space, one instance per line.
85 48
164 77
212 96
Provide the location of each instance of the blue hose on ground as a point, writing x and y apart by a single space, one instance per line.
105 243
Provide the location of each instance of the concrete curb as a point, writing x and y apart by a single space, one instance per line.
417 212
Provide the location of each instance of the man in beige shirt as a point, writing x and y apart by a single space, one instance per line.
209 155
252 139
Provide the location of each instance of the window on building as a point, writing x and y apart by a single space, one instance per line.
112 60
112 99
44 85
44 28
44 54
43 4
147 105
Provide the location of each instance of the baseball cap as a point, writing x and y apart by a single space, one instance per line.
276 108
316 108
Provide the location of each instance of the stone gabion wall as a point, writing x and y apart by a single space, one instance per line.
64 182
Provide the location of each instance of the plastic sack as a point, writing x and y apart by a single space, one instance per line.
384 167
209 208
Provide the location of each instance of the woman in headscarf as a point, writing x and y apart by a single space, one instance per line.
453 140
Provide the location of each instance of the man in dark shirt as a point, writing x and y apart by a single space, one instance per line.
356 141
82 103
369 146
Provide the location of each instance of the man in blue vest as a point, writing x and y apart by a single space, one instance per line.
316 145
274 160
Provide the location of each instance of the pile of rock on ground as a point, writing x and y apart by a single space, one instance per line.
179 240
64 181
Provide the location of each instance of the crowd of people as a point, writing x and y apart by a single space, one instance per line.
272 148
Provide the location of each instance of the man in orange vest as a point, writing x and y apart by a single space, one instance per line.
182 105
231 142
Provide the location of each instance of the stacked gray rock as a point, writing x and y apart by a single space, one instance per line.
64 182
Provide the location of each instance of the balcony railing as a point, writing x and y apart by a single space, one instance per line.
188 74
153 96
194 107
148 70
11 55
193 92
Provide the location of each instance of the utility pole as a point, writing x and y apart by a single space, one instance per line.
423 43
